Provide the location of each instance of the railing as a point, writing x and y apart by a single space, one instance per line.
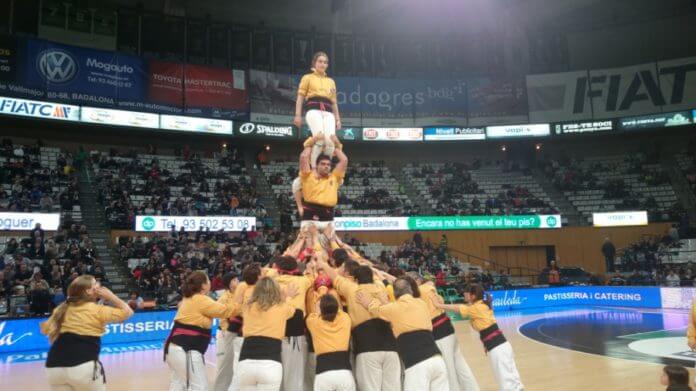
515 271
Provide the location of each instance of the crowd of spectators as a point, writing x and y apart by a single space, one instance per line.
169 257
118 181
35 270
27 185
448 183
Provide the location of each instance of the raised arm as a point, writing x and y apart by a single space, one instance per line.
342 158
305 167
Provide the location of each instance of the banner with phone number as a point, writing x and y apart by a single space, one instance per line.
193 223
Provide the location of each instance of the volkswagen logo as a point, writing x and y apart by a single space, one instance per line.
56 66
247 128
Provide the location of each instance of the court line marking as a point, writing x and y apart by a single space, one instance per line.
585 353
627 336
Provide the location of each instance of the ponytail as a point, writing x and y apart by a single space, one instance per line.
77 294
479 294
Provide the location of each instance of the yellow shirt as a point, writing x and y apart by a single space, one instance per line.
329 337
481 316
224 298
321 191
348 290
199 310
313 297
89 319
316 85
405 314
390 293
691 330
429 292
303 283
269 323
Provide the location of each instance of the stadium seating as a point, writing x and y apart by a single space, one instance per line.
459 189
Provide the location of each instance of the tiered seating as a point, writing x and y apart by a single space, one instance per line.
38 179
458 189
171 185
369 189
687 164
614 183
684 252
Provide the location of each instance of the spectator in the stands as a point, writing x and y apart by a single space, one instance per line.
609 252
135 301
672 279
617 280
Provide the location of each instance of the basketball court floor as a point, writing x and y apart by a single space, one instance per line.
563 348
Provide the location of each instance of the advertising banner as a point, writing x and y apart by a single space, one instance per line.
552 97
393 134
619 219
583 127
444 223
166 84
215 92
678 298
24 334
447 134
36 109
436 223
644 297
193 223
665 86
371 223
119 118
349 100
518 131
440 102
344 134
387 102
252 129
8 60
678 83
13 221
497 101
81 76
193 124
656 121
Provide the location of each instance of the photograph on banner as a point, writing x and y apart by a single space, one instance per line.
259 130
518 131
17 221
496 101
193 223
583 127
620 92
554 97
37 109
119 117
452 134
194 124
343 134
678 83
272 96
82 76
215 92
620 219
440 102
387 102
679 118
393 134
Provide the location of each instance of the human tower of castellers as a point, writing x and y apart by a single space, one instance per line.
318 317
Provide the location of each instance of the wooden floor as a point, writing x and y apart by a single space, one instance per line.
542 367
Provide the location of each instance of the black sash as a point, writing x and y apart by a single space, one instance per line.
416 346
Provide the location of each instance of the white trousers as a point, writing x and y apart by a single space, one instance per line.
321 122
430 374
293 355
310 370
225 359
261 375
460 376
188 370
238 342
78 378
503 362
377 371
337 380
